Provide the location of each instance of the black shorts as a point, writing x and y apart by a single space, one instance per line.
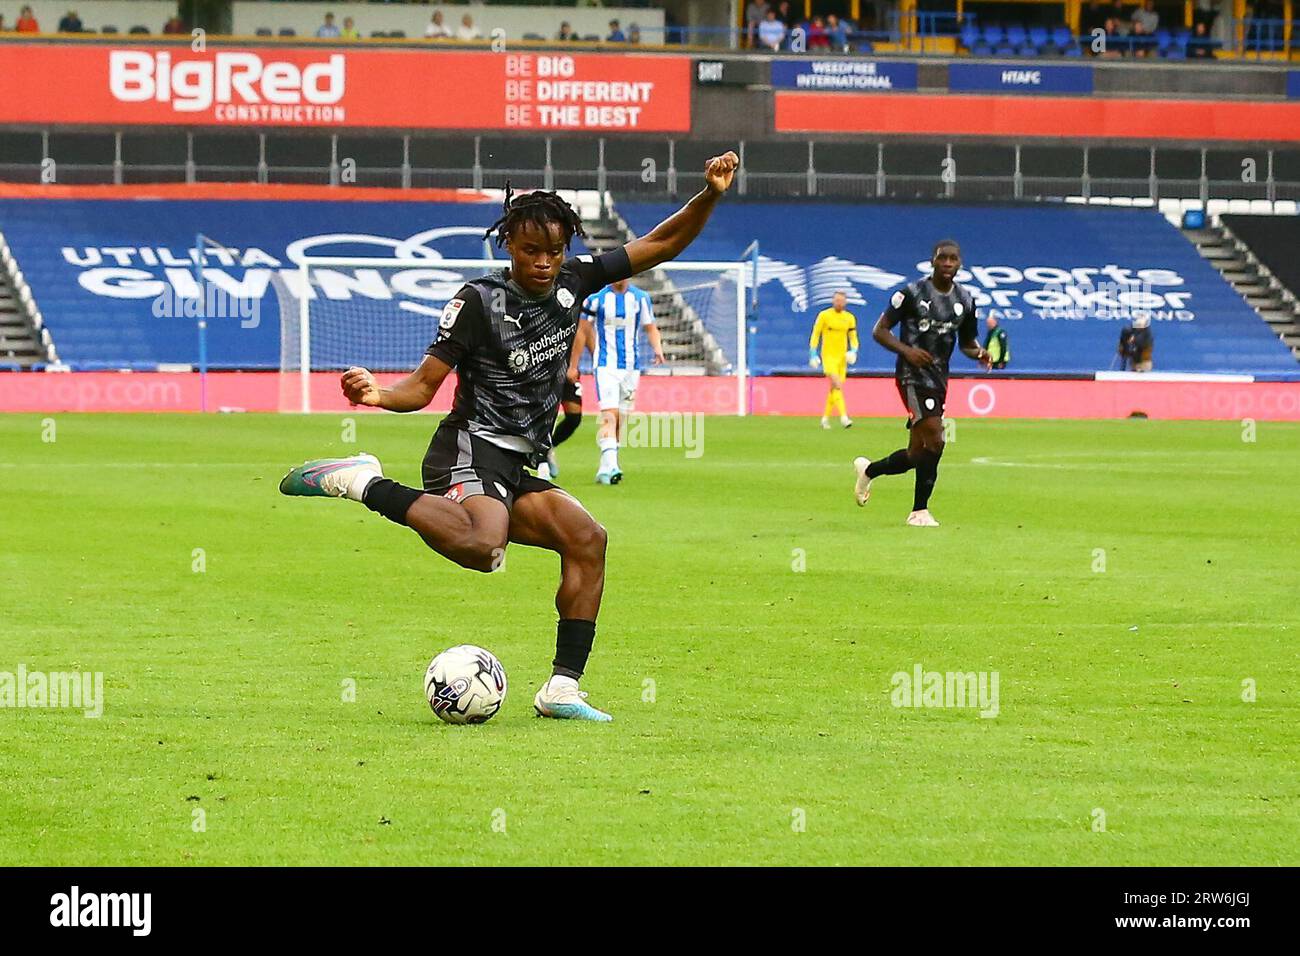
459 465
572 394
921 402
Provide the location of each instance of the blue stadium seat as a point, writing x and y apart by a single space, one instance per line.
1062 38
1072 51
981 49
1164 39
1027 50
993 34
1038 37
969 36
1016 35
1004 50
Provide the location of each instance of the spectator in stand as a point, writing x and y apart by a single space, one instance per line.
616 34
327 30
787 16
837 34
349 31
4 27
633 34
771 32
1112 47
71 23
566 32
1122 23
174 26
27 22
467 29
817 39
1200 47
437 30
1146 16
755 13
1092 18
1140 43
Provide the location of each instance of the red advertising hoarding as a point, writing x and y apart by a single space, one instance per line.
1052 116
321 87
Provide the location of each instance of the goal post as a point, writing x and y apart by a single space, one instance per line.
381 313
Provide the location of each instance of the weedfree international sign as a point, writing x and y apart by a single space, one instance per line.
846 75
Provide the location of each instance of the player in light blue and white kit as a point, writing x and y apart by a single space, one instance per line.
617 314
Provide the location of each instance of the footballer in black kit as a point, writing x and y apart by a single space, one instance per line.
511 353
510 337
933 315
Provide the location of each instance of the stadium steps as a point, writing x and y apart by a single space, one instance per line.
24 340
1271 300
687 344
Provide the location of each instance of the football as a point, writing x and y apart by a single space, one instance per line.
465 685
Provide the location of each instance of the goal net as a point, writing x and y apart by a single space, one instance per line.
382 314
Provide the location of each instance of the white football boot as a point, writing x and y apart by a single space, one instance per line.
922 519
560 698
862 488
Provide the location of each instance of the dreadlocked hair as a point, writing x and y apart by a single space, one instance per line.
538 207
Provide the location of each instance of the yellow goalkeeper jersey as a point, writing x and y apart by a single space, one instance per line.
838 332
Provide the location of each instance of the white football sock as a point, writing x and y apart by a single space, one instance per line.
559 682
357 488
608 453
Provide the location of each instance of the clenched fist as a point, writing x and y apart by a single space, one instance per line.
719 170
360 387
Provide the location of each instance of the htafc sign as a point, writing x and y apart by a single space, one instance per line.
299 87
997 77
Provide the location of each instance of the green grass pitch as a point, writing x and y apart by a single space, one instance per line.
770 739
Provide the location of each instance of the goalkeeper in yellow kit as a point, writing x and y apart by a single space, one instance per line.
838 331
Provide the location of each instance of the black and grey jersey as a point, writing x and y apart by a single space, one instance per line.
511 352
931 320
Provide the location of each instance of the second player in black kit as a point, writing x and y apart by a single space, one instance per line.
933 321
933 316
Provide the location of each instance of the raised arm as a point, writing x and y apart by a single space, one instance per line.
671 237
411 394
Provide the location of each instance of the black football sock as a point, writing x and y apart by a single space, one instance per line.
568 425
390 499
927 473
895 464
573 640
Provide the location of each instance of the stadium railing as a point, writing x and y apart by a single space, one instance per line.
866 168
